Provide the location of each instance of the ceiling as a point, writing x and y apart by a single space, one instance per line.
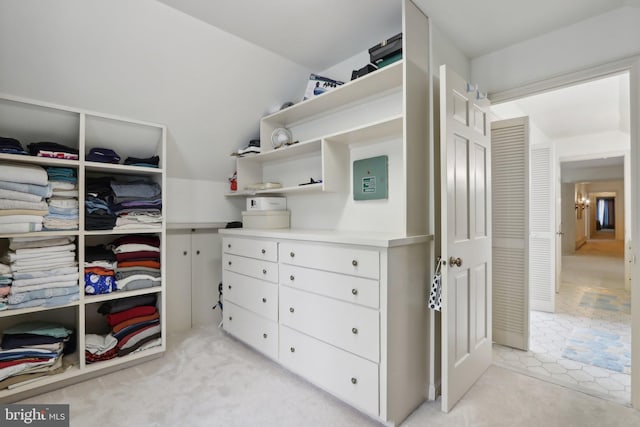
594 163
318 35
593 107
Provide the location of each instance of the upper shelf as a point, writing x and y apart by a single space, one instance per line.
298 149
379 81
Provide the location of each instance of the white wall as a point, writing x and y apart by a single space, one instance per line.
604 144
592 42
443 51
144 60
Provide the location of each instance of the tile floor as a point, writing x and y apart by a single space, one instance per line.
592 295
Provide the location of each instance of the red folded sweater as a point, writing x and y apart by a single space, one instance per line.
142 310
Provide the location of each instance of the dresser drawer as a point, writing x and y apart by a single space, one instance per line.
264 270
258 332
348 326
339 259
260 249
349 377
253 294
352 289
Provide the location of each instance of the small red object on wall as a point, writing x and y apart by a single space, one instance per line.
234 182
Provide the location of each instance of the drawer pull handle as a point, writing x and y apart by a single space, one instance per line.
354 380
354 263
354 330
292 254
229 245
198 252
291 310
184 253
229 286
230 318
292 349
354 291
264 251
229 262
264 335
264 271
292 278
264 300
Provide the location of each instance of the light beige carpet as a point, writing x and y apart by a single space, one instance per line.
209 379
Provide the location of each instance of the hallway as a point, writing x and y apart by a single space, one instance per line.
585 345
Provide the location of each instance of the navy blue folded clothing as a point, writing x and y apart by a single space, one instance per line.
98 253
103 155
35 147
11 341
152 161
11 146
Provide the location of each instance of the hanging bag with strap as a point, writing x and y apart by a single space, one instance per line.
435 296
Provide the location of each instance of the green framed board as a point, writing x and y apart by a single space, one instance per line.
370 178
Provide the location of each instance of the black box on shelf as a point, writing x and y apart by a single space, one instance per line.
369 68
386 48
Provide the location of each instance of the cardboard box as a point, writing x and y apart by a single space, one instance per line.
265 219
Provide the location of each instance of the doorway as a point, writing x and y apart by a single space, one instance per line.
584 341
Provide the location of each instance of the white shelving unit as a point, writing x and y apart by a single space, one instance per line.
383 113
34 121
362 111
343 304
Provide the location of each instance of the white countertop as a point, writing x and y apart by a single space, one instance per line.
196 225
366 238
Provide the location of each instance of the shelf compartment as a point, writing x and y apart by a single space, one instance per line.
370 133
38 121
10 313
72 370
379 81
128 138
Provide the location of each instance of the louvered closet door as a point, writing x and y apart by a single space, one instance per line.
509 157
542 258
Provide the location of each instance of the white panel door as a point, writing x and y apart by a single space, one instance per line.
466 237
542 237
510 238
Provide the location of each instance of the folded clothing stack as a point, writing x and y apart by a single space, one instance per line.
102 155
6 277
149 162
135 326
137 204
22 191
98 215
33 349
99 270
63 204
138 264
53 149
44 270
11 146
